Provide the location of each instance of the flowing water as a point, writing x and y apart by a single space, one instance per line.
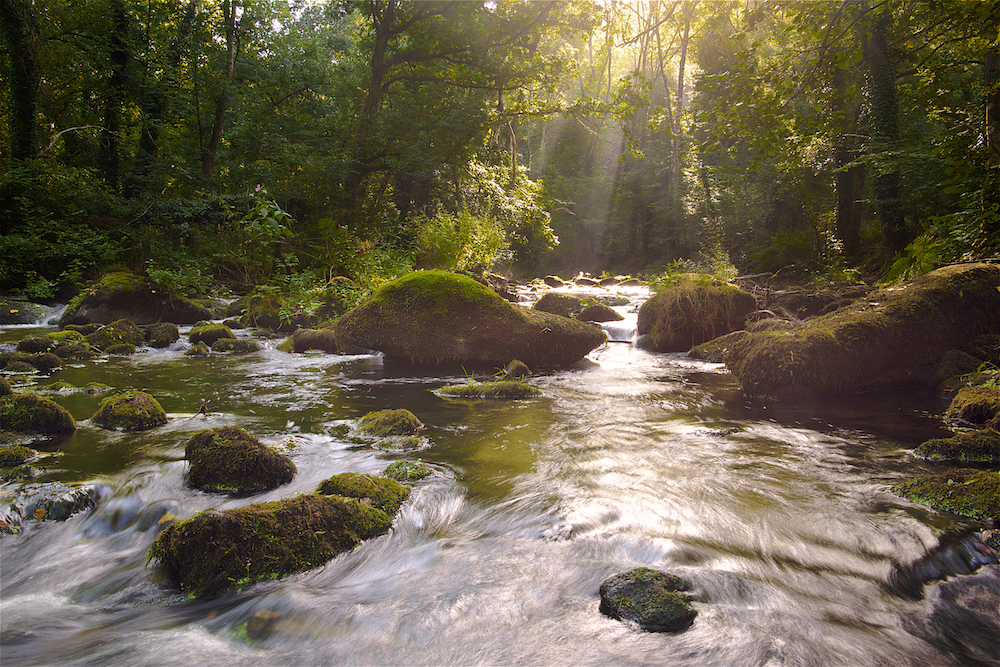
780 517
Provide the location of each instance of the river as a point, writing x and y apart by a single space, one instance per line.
780 517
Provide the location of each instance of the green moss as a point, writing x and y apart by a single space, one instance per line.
209 333
407 471
516 370
246 346
34 344
216 551
119 332
982 446
230 460
652 600
59 386
161 334
75 351
18 366
384 493
96 388
971 493
502 389
121 349
16 455
385 423
287 345
314 339
30 413
198 350
717 349
18 473
974 405
129 411
66 336
436 317
224 345
5 388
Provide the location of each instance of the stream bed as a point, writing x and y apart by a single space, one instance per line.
779 516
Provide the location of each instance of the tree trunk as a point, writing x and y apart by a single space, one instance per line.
849 179
222 99
17 23
114 98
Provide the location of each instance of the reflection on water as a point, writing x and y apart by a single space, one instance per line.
780 517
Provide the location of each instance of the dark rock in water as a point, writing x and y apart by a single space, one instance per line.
894 337
215 551
52 501
958 553
129 411
124 295
20 312
119 332
230 460
436 317
384 423
964 491
407 471
30 413
569 305
953 366
554 281
246 346
35 344
692 310
209 333
324 340
516 370
386 494
651 599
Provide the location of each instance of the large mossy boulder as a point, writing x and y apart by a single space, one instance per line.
964 491
980 447
161 334
33 414
230 460
324 340
894 337
125 295
215 551
208 333
119 332
690 310
437 317
381 492
655 601
569 305
387 423
129 411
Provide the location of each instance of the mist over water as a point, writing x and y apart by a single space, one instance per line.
779 516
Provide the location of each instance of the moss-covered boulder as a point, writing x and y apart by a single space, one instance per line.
324 340
15 455
230 460
119 332
216 551
198 350
381 492
500 389
569 305
896 336
263 311
953 367
5 388
437 317
653 600
386 423
35 344
96 388
13 311
516 370
124 295
971 447
129 411
246 346
964 491
209 333
33 414
407 471
224 345
716 350
974 405
161 334
690 310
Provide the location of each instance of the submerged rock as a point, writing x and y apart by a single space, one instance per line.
53 501
124 295
230 460
215 551
384 423
652 600
501 389
386 494
693 310
896 336
30 413
437 317
129 411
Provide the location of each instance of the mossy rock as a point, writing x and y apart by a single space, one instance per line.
45 361
246 346
971 447
30 413
119 332
82 329
986 347
569 305
35 344
60 386
500 389
554 281
224 345
652 600
75 351
213 552
121 350
895 337
129 411
263 311
198 350
436 317
161 334
967 492
5 388
324 340
124 295
96 388
13 311
209 333
407 471
974 405
516 370
18 366
381 492
16 455
716 350
385 423
18 474
692 310
230 460
951 369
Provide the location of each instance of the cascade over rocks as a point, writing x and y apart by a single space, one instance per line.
894 337
124 295
437 317
569 305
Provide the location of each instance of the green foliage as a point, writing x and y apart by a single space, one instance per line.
784 249
460 242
